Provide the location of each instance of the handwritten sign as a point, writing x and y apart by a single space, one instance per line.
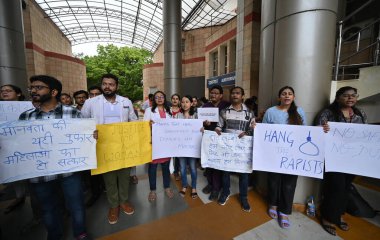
227 152
290 149
210 114
45 147
353 148
122 145
11 110
177 138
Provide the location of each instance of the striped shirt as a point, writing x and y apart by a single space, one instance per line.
232 121
59 112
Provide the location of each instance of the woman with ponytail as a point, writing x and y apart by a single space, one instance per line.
281 187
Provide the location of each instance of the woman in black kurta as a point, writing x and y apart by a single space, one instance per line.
336 185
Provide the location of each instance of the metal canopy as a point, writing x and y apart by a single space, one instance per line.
132 22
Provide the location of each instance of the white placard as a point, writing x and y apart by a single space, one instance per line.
176 138
353 148
11 110
210 114
227 152
290 149
45 147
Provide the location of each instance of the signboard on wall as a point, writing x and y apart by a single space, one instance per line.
222 80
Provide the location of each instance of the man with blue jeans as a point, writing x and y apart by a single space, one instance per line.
45 91
237 119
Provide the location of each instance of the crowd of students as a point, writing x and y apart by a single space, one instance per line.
236 116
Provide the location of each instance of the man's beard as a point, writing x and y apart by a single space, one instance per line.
111 94
43 98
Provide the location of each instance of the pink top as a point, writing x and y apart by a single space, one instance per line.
161 160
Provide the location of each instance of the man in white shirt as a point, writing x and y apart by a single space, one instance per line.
112 108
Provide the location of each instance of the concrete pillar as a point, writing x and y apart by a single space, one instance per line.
12 47
239 43
297 49
172 46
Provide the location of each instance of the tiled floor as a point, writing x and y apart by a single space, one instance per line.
185 218
302 228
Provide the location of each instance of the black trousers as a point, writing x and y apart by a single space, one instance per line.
281 188
335 195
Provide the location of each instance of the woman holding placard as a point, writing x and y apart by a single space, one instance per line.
160 109
188 112
336 185
281 187
10 92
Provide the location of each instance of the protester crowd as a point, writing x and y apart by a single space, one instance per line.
52 195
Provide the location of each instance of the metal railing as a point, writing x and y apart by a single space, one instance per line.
358 35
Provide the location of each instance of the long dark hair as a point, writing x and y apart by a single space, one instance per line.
17 90
166 104
335 108
294 117
192 109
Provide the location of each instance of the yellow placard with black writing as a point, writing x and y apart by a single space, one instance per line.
122 145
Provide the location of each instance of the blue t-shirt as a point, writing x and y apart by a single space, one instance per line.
276 116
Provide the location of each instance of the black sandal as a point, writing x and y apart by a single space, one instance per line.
194 195
329 228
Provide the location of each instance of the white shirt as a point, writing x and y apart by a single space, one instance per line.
111 111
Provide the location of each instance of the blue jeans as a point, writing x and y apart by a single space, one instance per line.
176 165
152 173
47 194
243 184
193 170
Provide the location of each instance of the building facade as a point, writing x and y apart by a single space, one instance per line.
49 52
227 55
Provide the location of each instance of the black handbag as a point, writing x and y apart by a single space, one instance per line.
358 206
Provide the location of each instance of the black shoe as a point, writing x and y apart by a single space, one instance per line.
207 189
214 196
92 200
223 199
245 205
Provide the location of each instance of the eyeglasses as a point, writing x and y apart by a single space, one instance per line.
354 95
159 97
37 88
6 91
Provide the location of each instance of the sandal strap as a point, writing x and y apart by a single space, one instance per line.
273 213
284 221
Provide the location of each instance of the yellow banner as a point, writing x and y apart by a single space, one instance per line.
122 145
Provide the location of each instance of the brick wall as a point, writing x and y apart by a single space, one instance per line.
49 52
193 60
